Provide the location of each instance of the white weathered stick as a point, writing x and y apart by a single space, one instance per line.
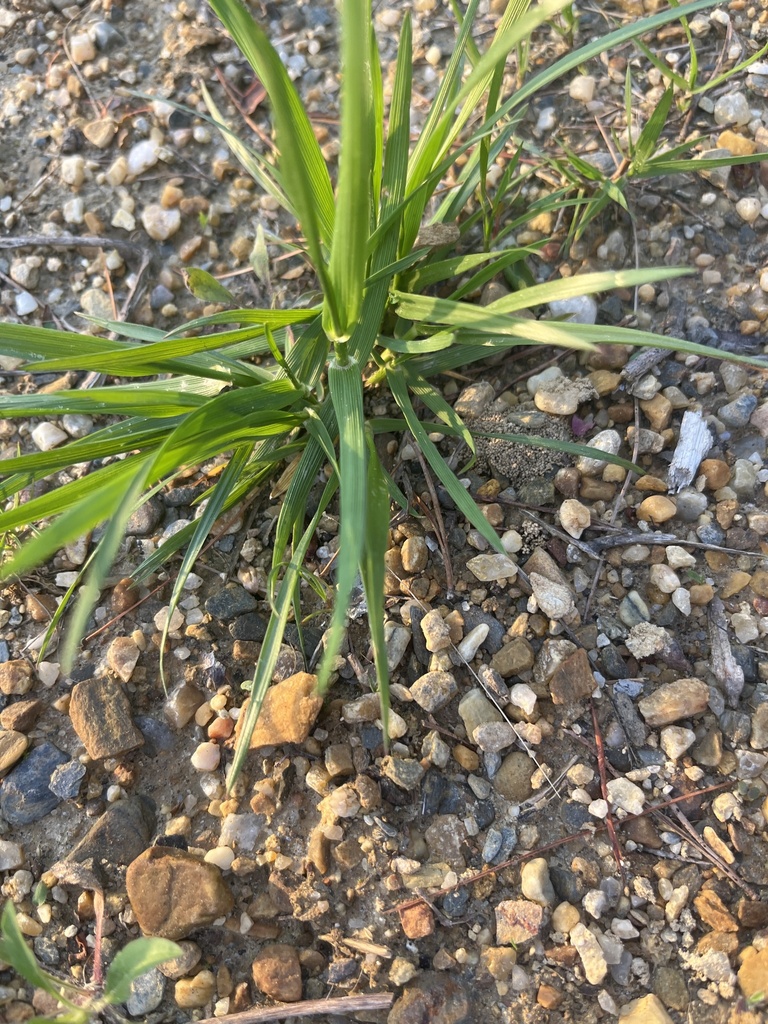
693 444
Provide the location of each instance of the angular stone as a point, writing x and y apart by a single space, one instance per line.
13 745
122 657
535 882
488 568
277 972
626 795
435 997
683 698
513 658
24 795
101 716
21 716
417 922
193 993
714 913
434 689
288 713
16 677
172 892
572 679
119 836
475 709
554 600
518 922
646 1010
591 953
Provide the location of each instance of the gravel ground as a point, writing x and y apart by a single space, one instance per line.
503 862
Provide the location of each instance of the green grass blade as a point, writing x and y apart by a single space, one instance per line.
346 388
347 268
115 401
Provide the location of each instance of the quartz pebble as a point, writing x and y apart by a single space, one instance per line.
535 882
670 702
605 441
591 954
488 568
159 223
47 436
582 88
574 517
206 757
675 740
555 600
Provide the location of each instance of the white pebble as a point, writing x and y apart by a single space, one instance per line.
574 517
681 599
523 697
679 558
221 856
511 541
206 758
48 435
582 88
748 208
81 48
159 223
25 304
72 171
142 156
469 645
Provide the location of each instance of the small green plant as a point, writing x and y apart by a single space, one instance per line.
80 1005
381 241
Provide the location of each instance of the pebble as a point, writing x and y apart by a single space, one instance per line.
535 883
572 679
656 508
436 631
738 412
172 892
186 961
123 656
66 779
523 697
193 993
626 795
744 477
664 579
101 717
405 772
513 658
472 642
670 702
679 558
591 954
732 110
142 156
605 441
81 48
288 713
433 690
25 796
513 779
538 379
24 304
646 1010
575 518
475 709
554 600
582 88
13 745
206 757
48 436
489 568
11 855
147 991
414 554
493 737
675 740
518 922
434 996
690 504
229 602
159 223
16 678
277 972
72 170
119 836
753 973
563 396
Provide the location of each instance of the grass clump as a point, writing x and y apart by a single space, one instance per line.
381 240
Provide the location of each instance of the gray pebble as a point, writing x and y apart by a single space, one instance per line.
633 610
145 519
711 533
107 38
231 601
160 296
690 504
146 993
65 780
738 412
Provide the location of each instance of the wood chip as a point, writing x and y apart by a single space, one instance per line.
693 444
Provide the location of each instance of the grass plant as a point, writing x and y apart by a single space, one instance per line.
382 237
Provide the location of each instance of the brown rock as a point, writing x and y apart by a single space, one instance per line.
172 892
288 713
716 473
277 972
753 976
702 594
101 716
734 583
16 677
434 996
669 703
12 747
752 913
759 585
518 922
713 912
717 942
651 483
417 922
572 679
513 658
656 509
22 715
549 997
658 410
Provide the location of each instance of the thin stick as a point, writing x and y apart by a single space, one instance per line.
438 522
604 790
70 242
342 1006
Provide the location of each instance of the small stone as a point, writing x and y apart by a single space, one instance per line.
675 740
172 892
591 953
414 554
582 88
417 922
679 558
513 779
714 913
656 508
472 642
565 917
658 410
475 709
229 602
554 600
25 796
433 690
72 170
101 717
670 702
142 156
436 631
493 737
13 745
664 579
488 568
277 972
405 772
11 855
573 679
193 993
434 997
535 883
575 518
518 922
66 779
206 757
523 697
748 208
159 223
626 795
119 836
81 48
474 400
513 658
605 441
289 711
732 110
24 304
753 975
123 656
738 412
646 1010
147 992
47 436
563 396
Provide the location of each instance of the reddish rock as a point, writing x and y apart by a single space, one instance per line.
277 972
572 679
517 922
417 922
287 714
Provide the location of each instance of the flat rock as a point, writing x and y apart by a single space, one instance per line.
572 680
592 956
288 713
101 716
172 892
21 715
13 746
434 997
277 972
119 836
66 779
229 602
683 698
434 689
714 913
515 657
488 568
518 922
646 1010
25 796
554 600
753 974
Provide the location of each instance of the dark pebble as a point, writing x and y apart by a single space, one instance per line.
4 651
65 780
484 813
160 297
454 903
25 796
226 544
736 727
177 497
341 970
457 799
179 119
746 445
157 735
575 815
613 665
508 844
746 657
537 492
371 737
628 716
80 673
475 616
492 845
433 787
710 534
231 601
107 37
145 519
122 833
252 626
47 951
419 644
738 412
742 540
566 883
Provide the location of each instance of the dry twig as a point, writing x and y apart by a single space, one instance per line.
341 1007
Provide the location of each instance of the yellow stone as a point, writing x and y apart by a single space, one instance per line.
753 976
738 144
651 483
656 509
735 582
